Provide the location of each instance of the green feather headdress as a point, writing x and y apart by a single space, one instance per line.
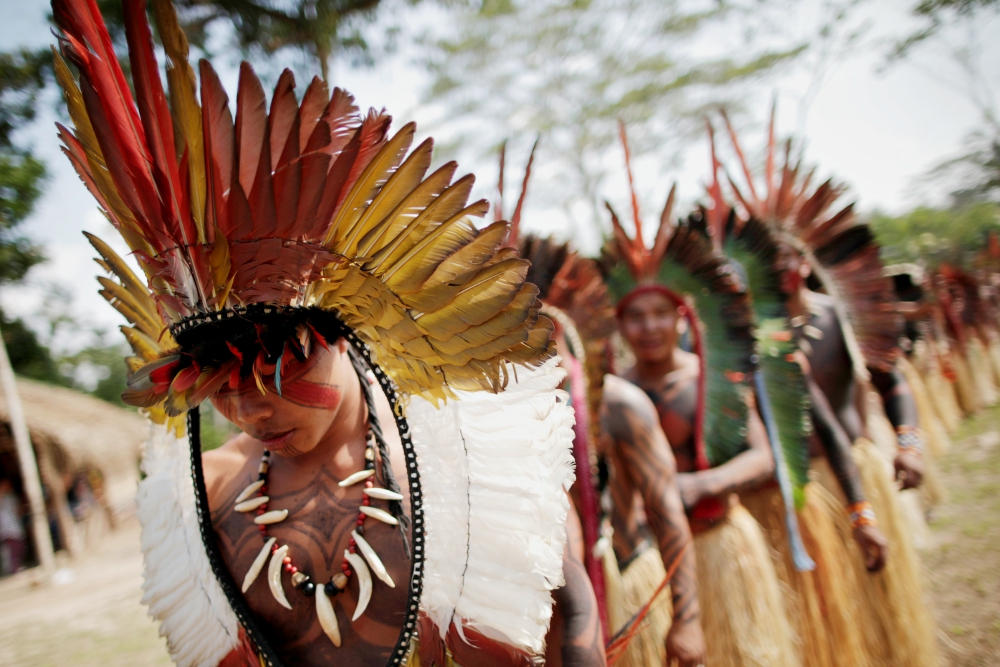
683 266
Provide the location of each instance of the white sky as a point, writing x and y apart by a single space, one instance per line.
877 132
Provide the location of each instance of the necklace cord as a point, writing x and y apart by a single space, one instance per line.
384 475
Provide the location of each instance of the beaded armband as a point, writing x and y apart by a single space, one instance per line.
909 440
861 514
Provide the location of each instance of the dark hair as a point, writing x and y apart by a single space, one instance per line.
272 330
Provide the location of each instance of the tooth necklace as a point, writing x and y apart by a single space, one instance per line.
255 497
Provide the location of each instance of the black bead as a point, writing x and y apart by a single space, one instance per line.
330 589
369 465
309 589
360 530
262 475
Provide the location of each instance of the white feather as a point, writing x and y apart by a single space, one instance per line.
494 469
180 588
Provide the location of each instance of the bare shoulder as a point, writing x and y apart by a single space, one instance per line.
221 466
623 397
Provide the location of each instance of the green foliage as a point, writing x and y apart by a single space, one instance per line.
22 77
936 14
28 356
755 251
320 29
933 236
570 69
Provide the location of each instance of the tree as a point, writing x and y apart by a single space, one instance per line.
22 77
321 29
956 26
931 236
570 69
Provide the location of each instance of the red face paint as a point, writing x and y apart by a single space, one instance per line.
294 387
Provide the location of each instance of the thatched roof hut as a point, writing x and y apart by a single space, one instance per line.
73 434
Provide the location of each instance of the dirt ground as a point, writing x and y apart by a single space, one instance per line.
97 619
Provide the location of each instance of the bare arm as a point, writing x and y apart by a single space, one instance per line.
631 420
581 634
897 398
745 471
836 443
901 409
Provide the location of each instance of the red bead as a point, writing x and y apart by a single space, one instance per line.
294 569
360 520
274 547
369 484
353 543
366 501
347 572
263 529
262 491
261 509
288 567
286 560
344 567
352 547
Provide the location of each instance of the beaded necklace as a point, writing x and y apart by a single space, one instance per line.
254 498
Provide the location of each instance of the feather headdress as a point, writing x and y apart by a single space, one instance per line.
683 266
575 297
297 211
302 204
755 248
840 247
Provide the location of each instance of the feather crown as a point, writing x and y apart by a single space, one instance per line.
840 247
683 266
296 205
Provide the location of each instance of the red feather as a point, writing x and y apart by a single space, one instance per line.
217 129
313 107
156 120
515 219
251 126
342 117
284 110
288 180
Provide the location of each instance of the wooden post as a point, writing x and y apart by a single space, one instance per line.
29 467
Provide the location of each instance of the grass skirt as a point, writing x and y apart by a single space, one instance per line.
940 390
981 367
965 386
629 591
824 605
742 611
936 438
904 631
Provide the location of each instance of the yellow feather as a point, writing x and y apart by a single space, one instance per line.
218 261
517 313
119 296
491 291
117 266
478 251
443 208
409 273
399 186
374 175
407 210
184 107
144 346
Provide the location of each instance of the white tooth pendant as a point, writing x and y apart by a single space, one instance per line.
274 576
373 560
364 583
327 616
249 491
258 565
376 513
383 494
252 504
356 477
273 516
